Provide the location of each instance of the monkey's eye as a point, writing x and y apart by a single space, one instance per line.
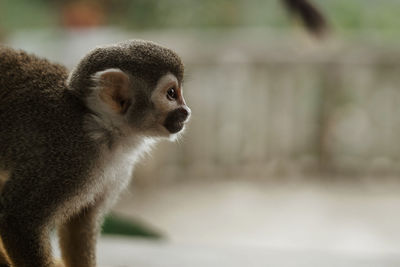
171 94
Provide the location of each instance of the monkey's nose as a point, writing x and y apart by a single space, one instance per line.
185 113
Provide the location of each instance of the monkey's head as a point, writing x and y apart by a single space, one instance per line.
134 85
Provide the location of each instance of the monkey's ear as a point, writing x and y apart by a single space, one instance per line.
114 89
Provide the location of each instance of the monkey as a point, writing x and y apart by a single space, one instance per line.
69 142
313 19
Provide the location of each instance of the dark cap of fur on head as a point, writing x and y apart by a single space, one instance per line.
143 59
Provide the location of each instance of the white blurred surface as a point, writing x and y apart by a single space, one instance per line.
117 252
322 222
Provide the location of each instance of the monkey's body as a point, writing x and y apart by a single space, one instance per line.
40 118
33 105
68 147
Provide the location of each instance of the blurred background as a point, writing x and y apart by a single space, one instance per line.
292 155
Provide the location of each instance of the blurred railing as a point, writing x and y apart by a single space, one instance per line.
266 113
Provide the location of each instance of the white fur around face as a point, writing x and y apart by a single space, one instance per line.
164 106
159 94
116 159
115 164
105 118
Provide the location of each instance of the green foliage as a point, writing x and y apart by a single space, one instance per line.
17 14
354 15
358 14
180 13
115 225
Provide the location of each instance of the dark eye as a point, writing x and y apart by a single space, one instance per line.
171 94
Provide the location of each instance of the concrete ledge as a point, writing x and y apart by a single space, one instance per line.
122 252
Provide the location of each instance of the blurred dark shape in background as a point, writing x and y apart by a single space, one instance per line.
310 15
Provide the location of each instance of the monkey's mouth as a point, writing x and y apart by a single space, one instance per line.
174 127
175 120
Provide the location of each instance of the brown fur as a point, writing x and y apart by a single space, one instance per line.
151 61
67 161
4 259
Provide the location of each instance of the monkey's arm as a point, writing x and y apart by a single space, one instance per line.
39 192
24 222
78 235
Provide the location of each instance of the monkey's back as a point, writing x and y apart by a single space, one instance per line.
20 72
39 117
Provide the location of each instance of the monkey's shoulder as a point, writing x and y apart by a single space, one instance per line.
19 69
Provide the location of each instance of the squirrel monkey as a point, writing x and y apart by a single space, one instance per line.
68 144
